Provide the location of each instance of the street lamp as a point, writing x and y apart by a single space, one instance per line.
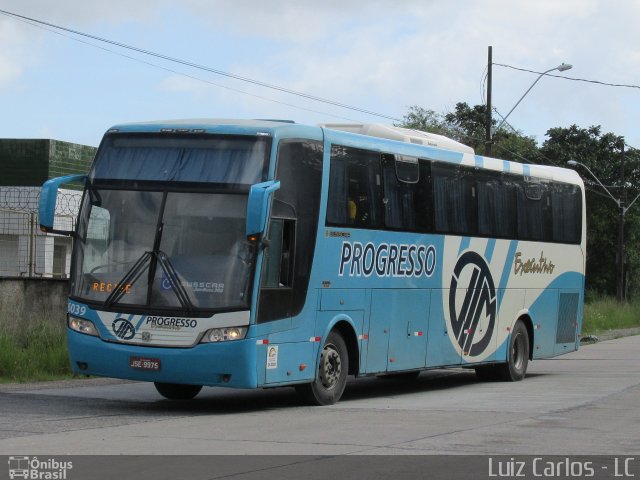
623 210
561 68
489 130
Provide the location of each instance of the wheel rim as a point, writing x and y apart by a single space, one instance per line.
330 367
518 352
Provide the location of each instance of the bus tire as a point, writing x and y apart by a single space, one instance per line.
518 354
177 391
331 377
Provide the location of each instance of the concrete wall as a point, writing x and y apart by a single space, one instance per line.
26 302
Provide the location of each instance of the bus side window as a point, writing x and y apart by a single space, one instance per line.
355 188
398 198
497 212
407 197
566 204
455 199
534 212
278 269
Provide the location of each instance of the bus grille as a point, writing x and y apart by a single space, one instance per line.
567 318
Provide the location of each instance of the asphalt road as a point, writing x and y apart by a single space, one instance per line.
585 403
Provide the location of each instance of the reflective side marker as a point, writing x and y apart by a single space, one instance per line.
262 342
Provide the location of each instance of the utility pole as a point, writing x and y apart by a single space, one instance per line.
621 249
623 207
488 141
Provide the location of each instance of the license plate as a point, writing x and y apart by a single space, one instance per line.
143 363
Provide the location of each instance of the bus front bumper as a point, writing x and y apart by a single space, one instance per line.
227 364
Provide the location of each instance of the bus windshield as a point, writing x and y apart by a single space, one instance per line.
147 240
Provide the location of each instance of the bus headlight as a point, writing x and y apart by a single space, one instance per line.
224 334
83 326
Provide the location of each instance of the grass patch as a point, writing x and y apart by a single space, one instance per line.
34 355
603 314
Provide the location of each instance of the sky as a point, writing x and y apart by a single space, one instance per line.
383 56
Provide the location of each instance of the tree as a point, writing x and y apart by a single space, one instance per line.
603 153
466 124
422 119
517 147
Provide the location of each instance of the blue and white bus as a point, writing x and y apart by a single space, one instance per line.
257 254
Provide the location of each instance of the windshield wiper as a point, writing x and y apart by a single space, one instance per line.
136 271
174 280
131 277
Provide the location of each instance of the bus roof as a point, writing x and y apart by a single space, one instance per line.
215 125
381 136
401 134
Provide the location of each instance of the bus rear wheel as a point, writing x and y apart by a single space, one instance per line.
331 377
515 368
177 391
518 356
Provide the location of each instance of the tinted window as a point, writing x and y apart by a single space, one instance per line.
407 206
497 205
455 199
566 205
355 190
534 211
292 230
393 192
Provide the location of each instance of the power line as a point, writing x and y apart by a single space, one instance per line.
41 24
570 78
483 85
201 67
166 69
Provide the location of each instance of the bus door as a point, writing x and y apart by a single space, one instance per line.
397 330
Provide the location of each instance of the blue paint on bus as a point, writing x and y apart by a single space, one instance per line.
416 256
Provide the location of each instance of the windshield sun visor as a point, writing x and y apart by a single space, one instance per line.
215 160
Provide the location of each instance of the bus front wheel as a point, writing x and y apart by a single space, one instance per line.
331 377
177 391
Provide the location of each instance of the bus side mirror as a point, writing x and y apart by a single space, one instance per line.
48 196
258 206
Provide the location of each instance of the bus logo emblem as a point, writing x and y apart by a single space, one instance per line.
123 329
480 299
